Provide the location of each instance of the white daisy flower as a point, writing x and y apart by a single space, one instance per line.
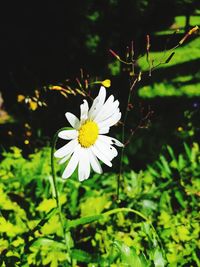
87 140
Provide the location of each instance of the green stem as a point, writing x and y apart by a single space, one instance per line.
110 212
123 137
122 150
55 188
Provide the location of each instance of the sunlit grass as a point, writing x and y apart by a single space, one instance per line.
188 52
176 84
167 89
179 23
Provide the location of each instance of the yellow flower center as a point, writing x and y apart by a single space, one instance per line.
88 134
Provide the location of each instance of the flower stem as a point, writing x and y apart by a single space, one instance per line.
123 137
55 188
110 212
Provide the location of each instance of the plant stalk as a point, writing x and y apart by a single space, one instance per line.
55 189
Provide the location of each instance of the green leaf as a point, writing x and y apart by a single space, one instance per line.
44 220
181 162
125 160
48 242
187 150
180 199
149 204
165 165
74 200
81 256
150 233
153 171
158 258
129 256
83 220
88 208
171 152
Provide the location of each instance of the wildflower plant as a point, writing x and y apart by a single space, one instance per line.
55 231
87 144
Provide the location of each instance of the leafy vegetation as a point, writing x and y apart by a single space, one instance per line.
177 82
157 221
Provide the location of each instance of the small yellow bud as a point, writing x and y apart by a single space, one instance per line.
55 87
26 142
20 98
33 105
106 83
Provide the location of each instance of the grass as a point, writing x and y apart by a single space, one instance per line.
180 76
168 90
150 225
179 23
186 53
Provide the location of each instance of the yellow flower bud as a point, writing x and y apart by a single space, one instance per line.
20 98
33 105
106 83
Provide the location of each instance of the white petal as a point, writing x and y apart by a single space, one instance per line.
109 101
73 120
84 111
72 163
84 165
104 130
108 112
63 160
110 140
108 109
68 134
114 151
111 120
109 151
100 155
94 162
97 103
66 149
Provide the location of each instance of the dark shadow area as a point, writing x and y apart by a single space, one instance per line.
47 44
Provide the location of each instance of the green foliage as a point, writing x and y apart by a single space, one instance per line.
114 68
183 55
102 234
180 192
176 82
129 256
92 42
179 23
168 90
